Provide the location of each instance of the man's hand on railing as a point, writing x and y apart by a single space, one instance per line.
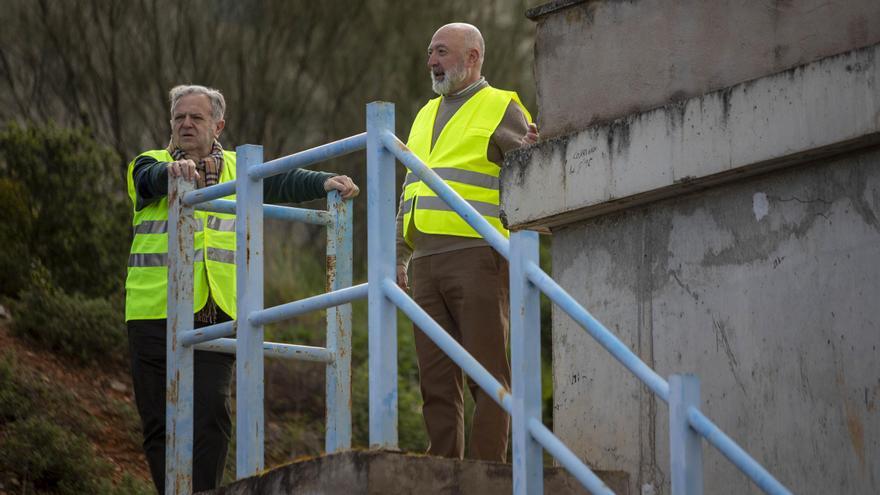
402 279
342 183
185 168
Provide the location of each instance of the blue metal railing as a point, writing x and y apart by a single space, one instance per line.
249 347
687 424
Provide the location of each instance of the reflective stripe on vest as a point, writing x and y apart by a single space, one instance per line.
221 224
221 255
146 285
464 176
156 259
437 204
159 227
161 259
459 158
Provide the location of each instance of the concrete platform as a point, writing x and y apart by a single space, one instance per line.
378 472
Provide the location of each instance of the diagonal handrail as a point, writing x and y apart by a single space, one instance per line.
456 202
499 393
696 420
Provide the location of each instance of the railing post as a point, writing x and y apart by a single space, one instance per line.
249 425
339 275
685 444
179 358
381 210
525 337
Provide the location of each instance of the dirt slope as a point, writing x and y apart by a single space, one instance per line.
103 392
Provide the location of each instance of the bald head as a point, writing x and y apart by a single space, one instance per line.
470 36
455 57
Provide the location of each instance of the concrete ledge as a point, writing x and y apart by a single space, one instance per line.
599 60
541 10
792 117
376 472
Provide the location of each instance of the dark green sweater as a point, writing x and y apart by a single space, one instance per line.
150 178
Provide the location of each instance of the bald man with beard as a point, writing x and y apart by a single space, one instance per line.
457 277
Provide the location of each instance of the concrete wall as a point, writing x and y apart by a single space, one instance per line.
712 182
768 290
601 59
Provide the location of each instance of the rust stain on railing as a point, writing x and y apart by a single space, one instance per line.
331 272
502 393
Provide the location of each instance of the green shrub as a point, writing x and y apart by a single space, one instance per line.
64 462
14 402
62 197
15 232
23 393
44 457
83 328
43 444
131 486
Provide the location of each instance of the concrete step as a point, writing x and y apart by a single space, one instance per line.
382 472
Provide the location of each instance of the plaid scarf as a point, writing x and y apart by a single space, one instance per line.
209 168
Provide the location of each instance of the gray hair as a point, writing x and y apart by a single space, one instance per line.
218 103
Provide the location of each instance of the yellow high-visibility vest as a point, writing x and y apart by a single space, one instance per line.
459 158
146 285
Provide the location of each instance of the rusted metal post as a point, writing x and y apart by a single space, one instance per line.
249 291
381 209
179 357
339 276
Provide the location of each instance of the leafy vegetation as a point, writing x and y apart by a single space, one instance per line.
65 233
43 443
86 329
64 210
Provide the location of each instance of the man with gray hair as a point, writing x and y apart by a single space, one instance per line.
457 278
195 153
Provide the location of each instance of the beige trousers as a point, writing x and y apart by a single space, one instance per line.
467 293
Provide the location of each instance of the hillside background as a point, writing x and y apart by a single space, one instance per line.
83 89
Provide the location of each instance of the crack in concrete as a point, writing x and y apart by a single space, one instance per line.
732 363
684 286
802 201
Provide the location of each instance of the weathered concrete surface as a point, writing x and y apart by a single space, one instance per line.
769 290
374 472
807 112
609 58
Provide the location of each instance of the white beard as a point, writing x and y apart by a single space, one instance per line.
451 79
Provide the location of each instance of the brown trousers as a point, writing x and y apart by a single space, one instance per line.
466 292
